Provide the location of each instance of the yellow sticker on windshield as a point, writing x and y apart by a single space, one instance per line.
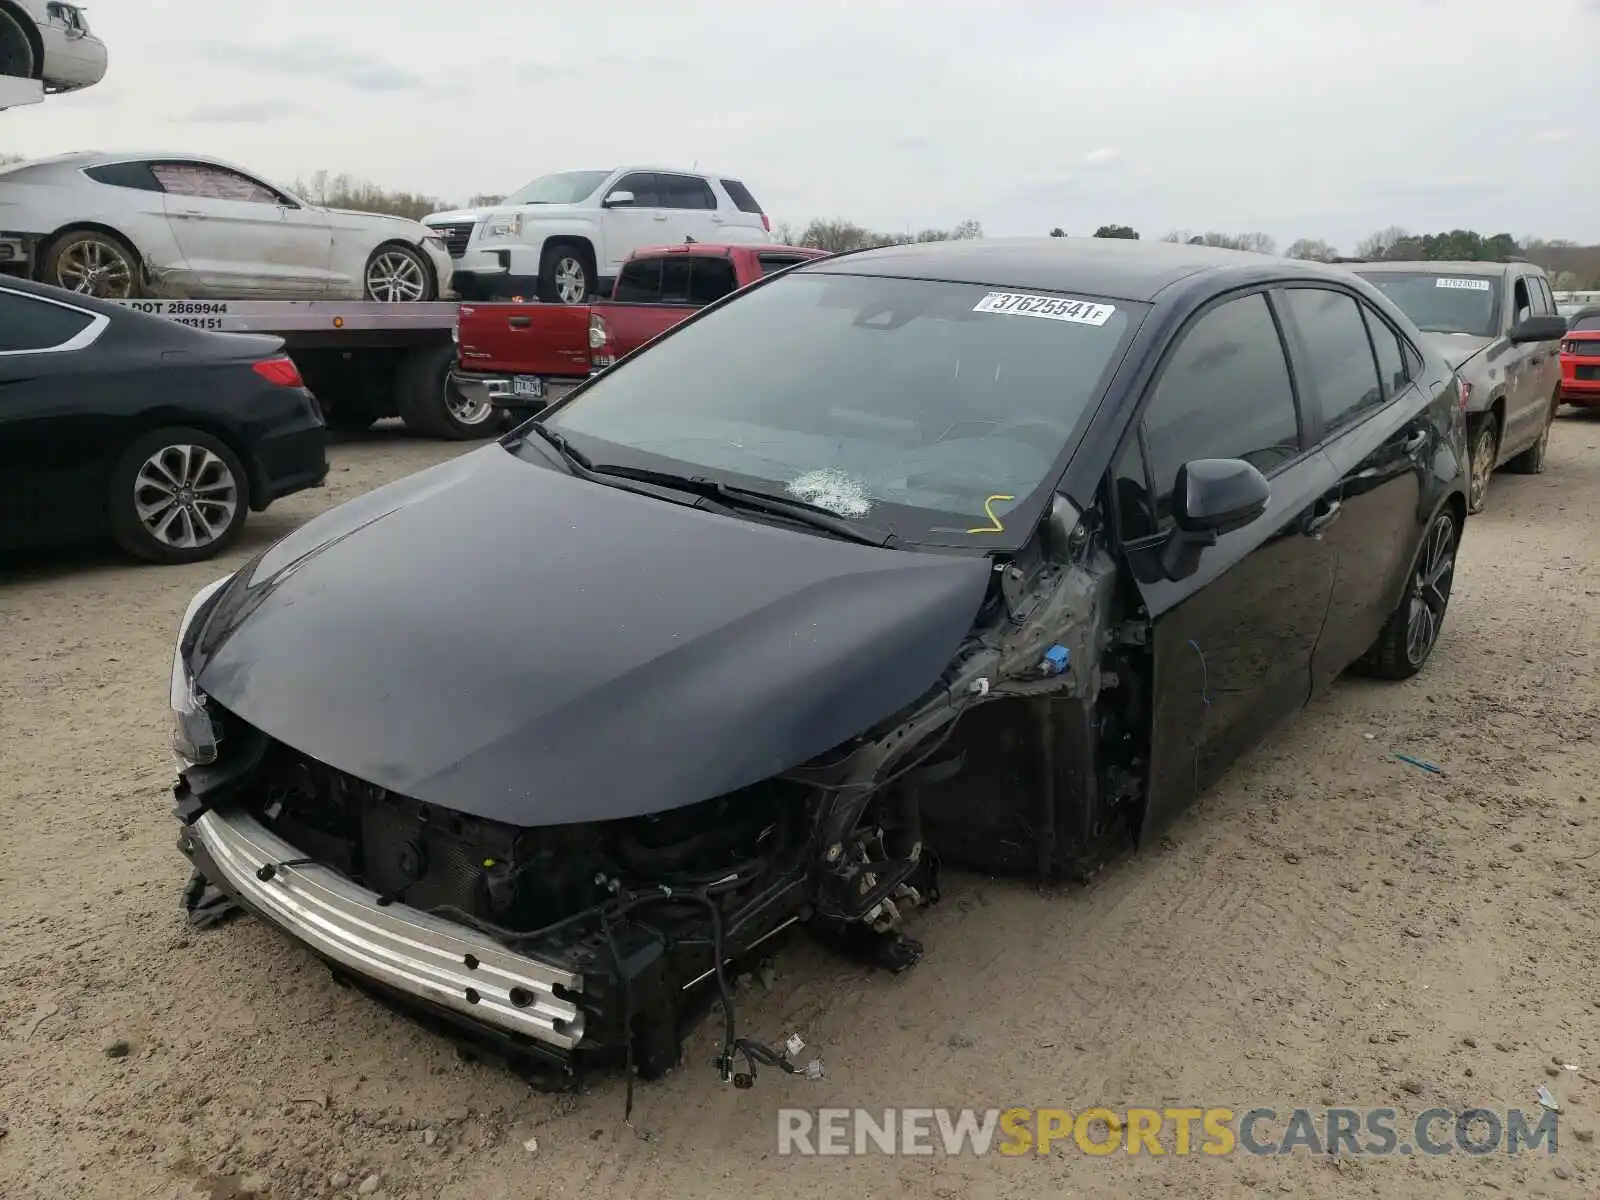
994 525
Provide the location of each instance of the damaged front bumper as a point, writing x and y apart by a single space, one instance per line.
402 949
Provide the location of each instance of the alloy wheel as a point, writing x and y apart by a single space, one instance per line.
466 411
395 277
1430 588
91 267
1481 465
572 282
185 496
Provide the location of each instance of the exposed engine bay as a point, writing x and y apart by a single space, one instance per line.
1011 763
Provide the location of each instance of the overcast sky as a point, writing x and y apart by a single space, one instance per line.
1296 118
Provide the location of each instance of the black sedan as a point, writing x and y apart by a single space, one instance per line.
162 436
996 551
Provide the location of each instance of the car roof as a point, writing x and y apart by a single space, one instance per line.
1439 267
1117 267
721 249
1588 310
76 159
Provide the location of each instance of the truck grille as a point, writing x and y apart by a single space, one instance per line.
455 235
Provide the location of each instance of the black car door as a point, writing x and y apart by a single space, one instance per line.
1232 643
51 485
1357 379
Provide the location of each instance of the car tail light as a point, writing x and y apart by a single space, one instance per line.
1465 389
280 371
766 222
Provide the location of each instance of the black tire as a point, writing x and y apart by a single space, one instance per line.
17 56
556 265
398 274
1397 653
1531 460
430 404
1483 446
211 479
70 262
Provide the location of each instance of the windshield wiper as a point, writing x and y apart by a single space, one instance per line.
753 501
576 461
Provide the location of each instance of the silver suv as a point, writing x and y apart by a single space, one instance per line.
1496 324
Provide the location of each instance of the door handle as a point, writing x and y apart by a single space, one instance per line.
1325 514
190 212
661 216
519 322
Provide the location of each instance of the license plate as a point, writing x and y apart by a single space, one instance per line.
528 385
1587 373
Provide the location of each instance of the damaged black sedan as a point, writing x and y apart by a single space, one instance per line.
991 552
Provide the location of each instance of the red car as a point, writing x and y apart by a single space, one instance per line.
1580 359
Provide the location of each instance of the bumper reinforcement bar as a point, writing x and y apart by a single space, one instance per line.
410 951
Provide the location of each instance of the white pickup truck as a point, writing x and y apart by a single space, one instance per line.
563 237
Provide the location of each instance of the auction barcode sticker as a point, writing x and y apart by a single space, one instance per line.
1053 308
1471 285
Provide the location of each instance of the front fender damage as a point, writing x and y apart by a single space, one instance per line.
1002 765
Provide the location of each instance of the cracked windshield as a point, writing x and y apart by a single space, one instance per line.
930 408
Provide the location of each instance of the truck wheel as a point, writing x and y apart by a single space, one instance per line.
430 404
397 274
565 275
1481 452
92 263
177 496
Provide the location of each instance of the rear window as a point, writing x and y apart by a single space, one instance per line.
675 279
136 175
939 410
741 197
1441 303
1584 324
30 324
771 264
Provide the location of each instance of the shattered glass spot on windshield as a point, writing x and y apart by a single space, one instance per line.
833 490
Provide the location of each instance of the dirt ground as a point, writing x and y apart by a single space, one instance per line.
1329 926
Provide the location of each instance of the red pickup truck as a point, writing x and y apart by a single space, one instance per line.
517 355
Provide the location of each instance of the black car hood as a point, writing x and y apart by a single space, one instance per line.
507 640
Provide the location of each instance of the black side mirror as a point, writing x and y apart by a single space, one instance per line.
1211 497
1538 329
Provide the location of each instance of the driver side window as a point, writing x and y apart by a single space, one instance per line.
206 182
1522 306
1225 392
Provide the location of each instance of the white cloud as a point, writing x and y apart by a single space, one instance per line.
1297 118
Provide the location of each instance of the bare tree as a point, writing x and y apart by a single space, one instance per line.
1257 243
485 201
1379 244
343 191
1311 249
